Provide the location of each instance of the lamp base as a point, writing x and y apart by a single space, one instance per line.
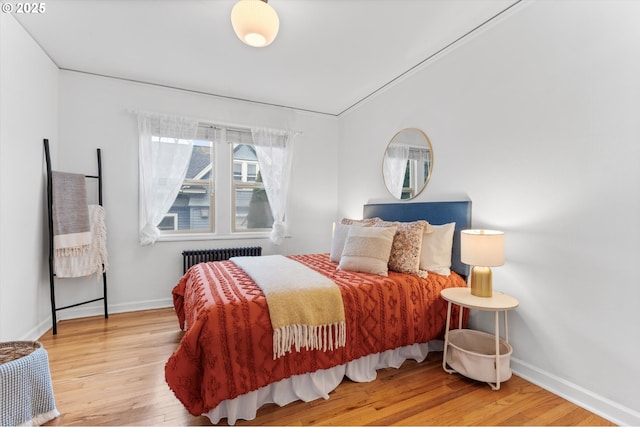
481 281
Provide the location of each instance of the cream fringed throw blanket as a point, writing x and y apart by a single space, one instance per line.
305 307
92 260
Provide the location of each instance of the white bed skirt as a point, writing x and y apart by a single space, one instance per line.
307 387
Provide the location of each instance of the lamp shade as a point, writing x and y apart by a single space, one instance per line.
482 247
255 22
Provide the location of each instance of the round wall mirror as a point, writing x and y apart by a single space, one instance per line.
408 163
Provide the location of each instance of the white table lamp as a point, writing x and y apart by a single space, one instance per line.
482 249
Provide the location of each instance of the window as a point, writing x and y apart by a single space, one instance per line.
169 222
197 205
183 161
251 206
194 201
417 172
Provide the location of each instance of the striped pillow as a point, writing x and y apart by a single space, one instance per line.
367 250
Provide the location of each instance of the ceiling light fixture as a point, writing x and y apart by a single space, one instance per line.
255 22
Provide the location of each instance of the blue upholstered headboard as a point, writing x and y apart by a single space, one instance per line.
436 213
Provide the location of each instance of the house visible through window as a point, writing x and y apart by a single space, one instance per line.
252 210
190 210
169 222
196 203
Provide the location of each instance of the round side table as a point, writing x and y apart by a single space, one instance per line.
497 303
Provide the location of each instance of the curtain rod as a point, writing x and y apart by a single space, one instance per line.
210 124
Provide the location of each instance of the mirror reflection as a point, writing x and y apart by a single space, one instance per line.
407 163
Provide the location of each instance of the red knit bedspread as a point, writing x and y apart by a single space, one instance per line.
227 349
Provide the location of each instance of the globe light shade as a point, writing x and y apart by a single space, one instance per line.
255 22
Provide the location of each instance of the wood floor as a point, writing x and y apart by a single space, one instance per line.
111 372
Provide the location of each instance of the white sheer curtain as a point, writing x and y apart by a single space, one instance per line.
274 149
394 167
165 145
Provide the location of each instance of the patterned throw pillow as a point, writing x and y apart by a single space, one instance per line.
367 250
367 222
407 244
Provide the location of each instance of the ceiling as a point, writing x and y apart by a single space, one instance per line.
329 54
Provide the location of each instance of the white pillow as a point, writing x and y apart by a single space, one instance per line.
367 250
340 232
435 255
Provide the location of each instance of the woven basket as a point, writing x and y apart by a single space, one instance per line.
26 391
12 350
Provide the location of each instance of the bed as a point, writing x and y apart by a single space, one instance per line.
225 366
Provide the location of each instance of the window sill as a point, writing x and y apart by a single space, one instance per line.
210 236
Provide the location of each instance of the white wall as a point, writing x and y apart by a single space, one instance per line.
28 113
93 114
537 119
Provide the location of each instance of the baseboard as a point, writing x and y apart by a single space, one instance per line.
612 411
95 310
98 310
39 330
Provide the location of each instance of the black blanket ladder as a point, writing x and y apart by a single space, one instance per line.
52 274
